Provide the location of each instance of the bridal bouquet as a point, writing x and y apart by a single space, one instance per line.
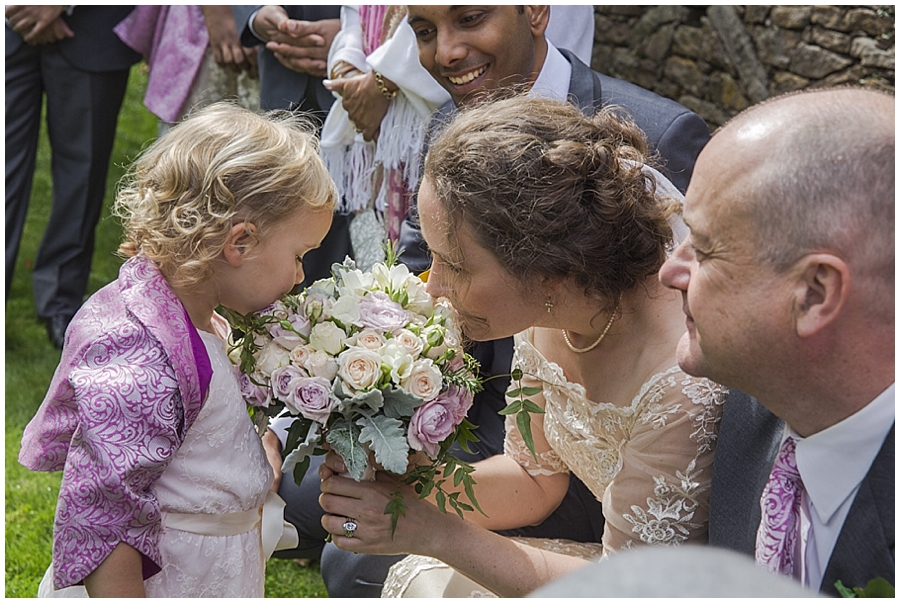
369 363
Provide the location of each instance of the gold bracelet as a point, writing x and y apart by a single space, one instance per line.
379 81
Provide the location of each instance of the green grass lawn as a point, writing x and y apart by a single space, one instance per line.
30 362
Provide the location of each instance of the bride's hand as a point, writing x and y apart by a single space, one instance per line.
365 502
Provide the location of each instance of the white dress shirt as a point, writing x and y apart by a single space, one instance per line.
832 464
553 80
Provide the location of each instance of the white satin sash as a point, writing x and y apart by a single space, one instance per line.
276 533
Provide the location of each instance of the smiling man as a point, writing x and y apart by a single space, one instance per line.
473 51
788 286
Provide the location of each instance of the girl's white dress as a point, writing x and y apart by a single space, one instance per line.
220 468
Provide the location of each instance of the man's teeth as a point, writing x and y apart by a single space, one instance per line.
465 79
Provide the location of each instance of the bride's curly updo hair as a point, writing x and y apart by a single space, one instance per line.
553 194
224 165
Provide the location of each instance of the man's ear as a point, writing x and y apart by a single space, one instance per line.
538 18
241 238
822 289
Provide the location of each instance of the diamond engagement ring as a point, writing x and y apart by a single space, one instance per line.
350 527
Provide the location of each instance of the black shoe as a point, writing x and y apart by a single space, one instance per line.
56 329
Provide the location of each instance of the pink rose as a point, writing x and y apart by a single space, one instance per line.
460 400
378 311
254 395
312 397
284 378
435 421
286 337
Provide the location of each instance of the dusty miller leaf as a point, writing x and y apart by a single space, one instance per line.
398 403
387 439
344 439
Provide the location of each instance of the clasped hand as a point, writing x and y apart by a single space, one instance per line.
38 25
298 45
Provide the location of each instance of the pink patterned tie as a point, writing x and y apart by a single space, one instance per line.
780 502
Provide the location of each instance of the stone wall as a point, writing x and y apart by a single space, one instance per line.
718 60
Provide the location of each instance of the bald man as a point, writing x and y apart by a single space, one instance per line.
788 286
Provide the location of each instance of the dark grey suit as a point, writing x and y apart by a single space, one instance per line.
283 88
749 438
280 87
84 79
679 135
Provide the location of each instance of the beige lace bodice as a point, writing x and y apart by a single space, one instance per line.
648 462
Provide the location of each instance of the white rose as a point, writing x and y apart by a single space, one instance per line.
320 364
424 380
327 337
323 286
272 357
355 282
346 310
359 368
398 359
410 342
369 339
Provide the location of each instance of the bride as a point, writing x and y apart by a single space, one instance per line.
547 224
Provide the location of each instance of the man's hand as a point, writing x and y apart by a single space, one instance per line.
303 45
224 40
38 25
365 104
267 19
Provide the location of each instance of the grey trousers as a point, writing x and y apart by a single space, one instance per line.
82 113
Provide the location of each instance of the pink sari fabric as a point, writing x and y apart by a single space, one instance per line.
173 40
378 24
130 383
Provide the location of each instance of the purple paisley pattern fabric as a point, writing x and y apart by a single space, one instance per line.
129 385
780 502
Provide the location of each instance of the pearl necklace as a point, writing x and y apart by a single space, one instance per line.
599 339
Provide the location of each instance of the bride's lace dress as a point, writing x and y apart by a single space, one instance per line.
649 463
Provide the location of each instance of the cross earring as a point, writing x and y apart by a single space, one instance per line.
548 304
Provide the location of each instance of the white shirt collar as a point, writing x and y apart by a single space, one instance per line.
553 80
834 461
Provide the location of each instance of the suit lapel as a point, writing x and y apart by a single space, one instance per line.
748 440
584 85
865 546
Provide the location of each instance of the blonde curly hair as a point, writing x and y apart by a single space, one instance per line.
222 166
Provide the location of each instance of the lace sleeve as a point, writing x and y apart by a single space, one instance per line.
548 461
661 494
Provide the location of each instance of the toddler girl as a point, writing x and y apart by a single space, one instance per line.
164 478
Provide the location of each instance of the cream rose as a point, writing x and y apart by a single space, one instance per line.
320 364
369 339
299 355
359 368
411 342
424 380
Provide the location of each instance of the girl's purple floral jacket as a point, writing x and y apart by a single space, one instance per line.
132 379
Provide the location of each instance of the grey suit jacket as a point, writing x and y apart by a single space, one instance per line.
95 47
748 442
280 87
